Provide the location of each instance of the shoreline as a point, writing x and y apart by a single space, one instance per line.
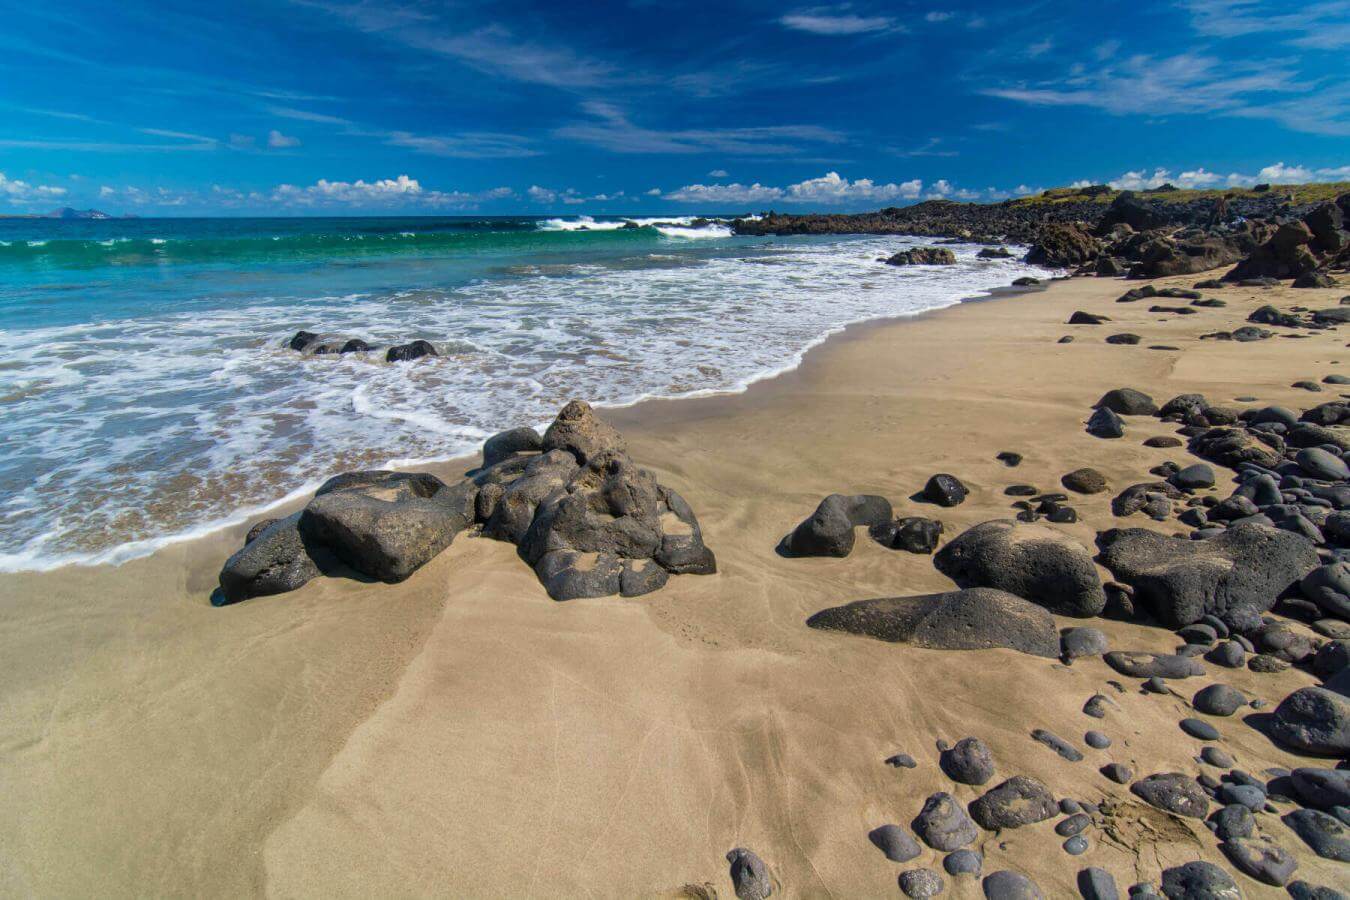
461 731
238 520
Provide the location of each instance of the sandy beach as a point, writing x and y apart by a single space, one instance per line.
461 734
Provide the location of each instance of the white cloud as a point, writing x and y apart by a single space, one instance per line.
359 191
401 191
540 194
654 192
718 173
1200 177
278 141
106 191
725 193
1282 174
823 22
938 15
830 188
16 191
243 141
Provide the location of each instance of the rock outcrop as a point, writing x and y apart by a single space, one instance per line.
590 521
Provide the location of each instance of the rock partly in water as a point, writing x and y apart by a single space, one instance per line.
410 351
923 256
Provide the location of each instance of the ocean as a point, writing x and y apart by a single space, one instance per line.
147 393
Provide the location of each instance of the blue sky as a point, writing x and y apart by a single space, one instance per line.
354 106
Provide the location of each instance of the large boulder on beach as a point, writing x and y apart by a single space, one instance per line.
1235 575
829 530
579 431
1285 255
971 619
1315 720
387 524
275 559
612 529
1164 256
1063 246
1031 560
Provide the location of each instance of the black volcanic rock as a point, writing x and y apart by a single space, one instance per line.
971 619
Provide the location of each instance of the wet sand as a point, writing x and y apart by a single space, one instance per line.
462 734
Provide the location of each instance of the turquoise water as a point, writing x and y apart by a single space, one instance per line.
147 393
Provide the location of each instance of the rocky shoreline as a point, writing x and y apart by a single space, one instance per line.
1021 220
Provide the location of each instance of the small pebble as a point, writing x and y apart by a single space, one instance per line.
963 862
1155 685
1117 772
1097 884
1076 845
1008 885
1073 825
1057 744
901 761
921 883
1200 730
1213 756
1096 740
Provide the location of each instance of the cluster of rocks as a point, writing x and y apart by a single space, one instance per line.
312 344
1139 240
583 515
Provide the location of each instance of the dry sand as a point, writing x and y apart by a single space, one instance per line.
463 735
